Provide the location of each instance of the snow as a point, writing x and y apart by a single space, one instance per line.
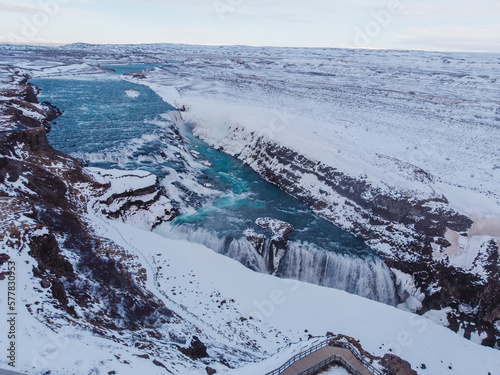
335 370
122 180
132 93
408 292
439 316
30 112
435 127
293 307
279 228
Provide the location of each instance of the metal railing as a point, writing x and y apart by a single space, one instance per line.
299 356
354 351
332 359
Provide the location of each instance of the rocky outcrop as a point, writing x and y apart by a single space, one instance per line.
21 109
271 247
196 349
4 258
280 229
135 197
396 366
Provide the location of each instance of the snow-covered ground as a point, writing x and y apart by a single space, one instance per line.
335 370
258 307
453 103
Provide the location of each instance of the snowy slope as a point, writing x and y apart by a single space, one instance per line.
285 309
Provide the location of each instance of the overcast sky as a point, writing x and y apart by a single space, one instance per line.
443 25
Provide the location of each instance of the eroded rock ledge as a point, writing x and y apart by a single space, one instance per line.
135 197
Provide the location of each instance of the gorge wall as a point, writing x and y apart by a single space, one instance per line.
408 229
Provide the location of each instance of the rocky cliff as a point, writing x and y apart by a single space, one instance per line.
77 276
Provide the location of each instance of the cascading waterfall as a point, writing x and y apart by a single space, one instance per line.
366 277
369 278
238 249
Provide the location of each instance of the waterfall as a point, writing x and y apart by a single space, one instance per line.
369 278
238 249
366 277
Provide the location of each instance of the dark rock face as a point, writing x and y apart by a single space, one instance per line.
31 94
45 250
25 97
196 349
406 225
396 366
124 203
4 258
159 364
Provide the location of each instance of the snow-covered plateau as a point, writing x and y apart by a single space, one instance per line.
398 148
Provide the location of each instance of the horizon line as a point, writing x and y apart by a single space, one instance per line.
58 45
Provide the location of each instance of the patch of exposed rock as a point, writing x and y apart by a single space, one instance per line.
135 197
195 350
396 366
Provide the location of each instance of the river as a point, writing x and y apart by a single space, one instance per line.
112 123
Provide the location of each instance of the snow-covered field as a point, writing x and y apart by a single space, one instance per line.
363 112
